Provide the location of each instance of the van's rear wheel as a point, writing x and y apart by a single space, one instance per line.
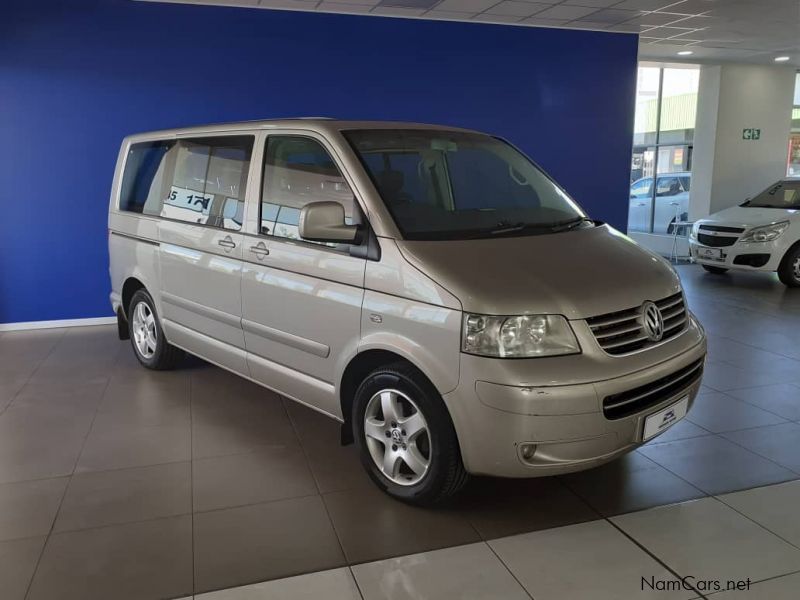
147 337
789 269
715 270
406 439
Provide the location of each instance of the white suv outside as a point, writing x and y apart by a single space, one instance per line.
763 234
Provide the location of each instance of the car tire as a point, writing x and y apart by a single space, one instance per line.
147 337
715 270
405 436
789 269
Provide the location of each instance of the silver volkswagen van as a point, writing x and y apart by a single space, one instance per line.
428 287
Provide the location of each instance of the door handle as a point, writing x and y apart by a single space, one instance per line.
641 204
260 250
227 242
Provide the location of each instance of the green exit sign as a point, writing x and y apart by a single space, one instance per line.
751 134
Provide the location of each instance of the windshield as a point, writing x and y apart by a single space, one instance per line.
784 194
453 185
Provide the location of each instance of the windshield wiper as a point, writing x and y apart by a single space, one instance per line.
506 227
570 224
503 227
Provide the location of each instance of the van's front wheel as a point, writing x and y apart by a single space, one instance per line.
147 337
405 436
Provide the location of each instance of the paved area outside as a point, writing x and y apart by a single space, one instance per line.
120 482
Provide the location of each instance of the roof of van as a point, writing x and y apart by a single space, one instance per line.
322 124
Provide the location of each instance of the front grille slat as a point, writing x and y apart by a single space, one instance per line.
627 329
612 345
621 332
605 322
675 312
625 404
670 326
670 302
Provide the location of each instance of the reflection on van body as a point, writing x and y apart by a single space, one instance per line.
428 287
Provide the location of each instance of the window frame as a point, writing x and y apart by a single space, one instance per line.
194 137
126 153
339 249
660 142
252 175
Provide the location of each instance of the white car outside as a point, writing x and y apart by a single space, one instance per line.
671 202
763 234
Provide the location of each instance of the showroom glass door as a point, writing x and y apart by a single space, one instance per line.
666 108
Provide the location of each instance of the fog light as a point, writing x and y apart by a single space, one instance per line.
527 451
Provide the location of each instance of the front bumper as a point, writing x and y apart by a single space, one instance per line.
501 405
774 250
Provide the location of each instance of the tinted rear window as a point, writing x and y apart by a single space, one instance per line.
141 189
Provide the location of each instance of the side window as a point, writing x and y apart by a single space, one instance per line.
209 181
686 182
668 186
297 171
143 177
641 188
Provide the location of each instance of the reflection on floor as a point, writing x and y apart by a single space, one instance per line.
116 482
740 546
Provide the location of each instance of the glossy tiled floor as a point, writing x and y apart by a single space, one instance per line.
740 546
119 482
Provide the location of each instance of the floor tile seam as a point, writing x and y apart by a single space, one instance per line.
730 339
727 393
316 485
64 492
28 379
758 453
655 557
719 433
508 570
191 480
752 520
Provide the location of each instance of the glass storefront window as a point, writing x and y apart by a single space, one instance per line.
647 87
666 109
793 163
678 105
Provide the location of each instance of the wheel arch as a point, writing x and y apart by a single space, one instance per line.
129 288
789 250
357 369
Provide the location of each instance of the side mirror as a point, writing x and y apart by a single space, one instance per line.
324 222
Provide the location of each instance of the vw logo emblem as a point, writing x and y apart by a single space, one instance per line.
652 321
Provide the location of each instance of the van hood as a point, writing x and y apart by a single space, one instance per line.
749 216
578 274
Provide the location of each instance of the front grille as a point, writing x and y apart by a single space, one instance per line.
625 404
621 332
715 241
722 228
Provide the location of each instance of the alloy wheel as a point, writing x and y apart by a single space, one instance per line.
397 437
144 330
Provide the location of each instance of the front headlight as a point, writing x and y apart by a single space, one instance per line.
693 231
767 233
517 336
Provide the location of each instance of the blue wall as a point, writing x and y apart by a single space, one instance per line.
78 75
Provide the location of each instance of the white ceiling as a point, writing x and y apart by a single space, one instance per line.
714 30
